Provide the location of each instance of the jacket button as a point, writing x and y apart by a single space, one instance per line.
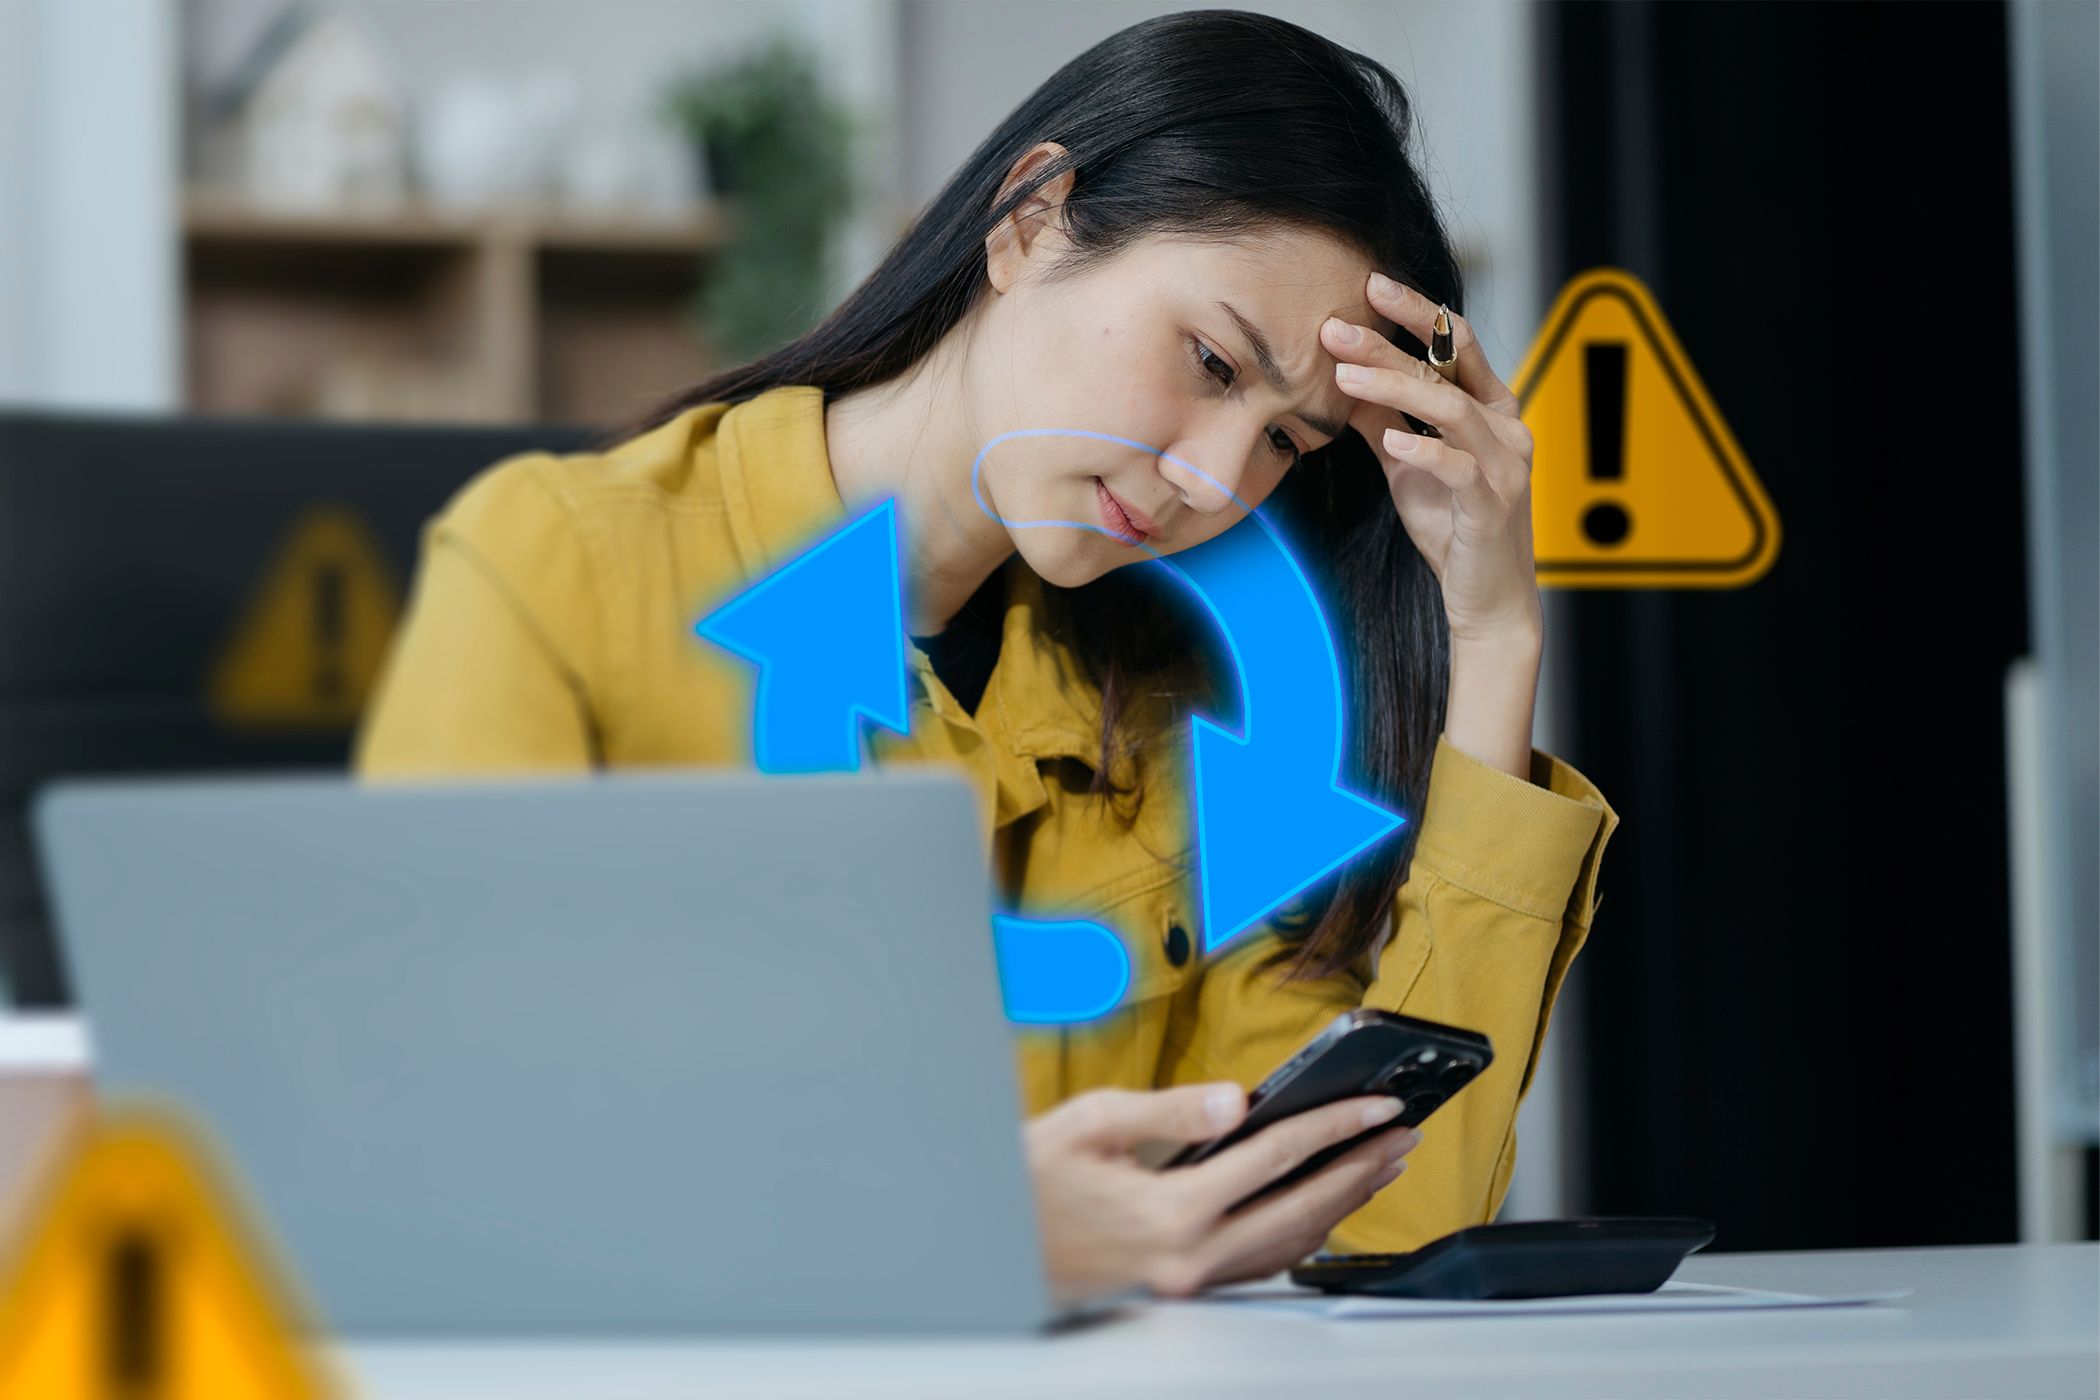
1177 944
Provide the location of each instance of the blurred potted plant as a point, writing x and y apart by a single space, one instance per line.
776 146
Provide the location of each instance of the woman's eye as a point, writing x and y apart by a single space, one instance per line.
1222 372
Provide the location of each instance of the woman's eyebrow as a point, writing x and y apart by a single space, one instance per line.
1273 372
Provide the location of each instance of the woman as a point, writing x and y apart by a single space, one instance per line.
1175 240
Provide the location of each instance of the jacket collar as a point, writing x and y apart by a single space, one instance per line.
780 498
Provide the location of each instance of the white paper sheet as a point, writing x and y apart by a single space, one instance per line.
1671 1297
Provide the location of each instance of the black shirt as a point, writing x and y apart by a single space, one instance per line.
964 652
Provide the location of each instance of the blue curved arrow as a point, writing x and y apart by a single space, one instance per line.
1272 816
826 632
1057 971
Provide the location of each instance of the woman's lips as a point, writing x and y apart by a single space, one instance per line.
1125 523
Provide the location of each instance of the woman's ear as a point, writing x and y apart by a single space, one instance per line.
1034 222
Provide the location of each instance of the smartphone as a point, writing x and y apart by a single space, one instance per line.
1421 1063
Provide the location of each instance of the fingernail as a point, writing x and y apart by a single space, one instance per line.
1392 1174
1222 1105
1343 331
1351 374
1383 1111
1397 441
1382 285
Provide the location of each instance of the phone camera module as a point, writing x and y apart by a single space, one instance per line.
1457 1072
1405 1080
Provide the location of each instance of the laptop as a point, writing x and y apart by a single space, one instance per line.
641 1053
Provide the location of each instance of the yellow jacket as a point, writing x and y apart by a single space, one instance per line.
550 629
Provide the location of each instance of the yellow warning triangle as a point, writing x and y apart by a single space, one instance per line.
1636 481
134 1280
305 653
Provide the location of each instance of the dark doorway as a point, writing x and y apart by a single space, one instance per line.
1798 1016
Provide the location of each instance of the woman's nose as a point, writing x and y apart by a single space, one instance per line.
1208 478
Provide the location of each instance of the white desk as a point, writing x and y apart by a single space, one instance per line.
1996 1322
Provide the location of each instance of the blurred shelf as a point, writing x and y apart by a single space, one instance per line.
505 315
221 219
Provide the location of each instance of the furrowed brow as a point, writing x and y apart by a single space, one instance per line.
1265 360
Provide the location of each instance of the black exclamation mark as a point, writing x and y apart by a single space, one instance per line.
1604 378
135 1360
330 681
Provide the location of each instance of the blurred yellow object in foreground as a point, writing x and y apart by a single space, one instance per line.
132 1277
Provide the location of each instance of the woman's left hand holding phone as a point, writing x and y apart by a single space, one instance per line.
1108 1221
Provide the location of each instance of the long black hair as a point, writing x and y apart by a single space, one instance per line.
1215 125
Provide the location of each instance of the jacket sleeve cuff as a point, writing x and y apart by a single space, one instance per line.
1531 846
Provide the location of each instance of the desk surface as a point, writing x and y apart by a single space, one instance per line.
1987 1321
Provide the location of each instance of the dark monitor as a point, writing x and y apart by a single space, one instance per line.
191 594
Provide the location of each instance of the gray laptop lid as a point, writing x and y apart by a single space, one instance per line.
647 1052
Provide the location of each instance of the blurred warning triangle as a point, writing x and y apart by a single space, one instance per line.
1636 481
309 645
132 1280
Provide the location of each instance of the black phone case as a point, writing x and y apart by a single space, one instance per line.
1422 1063
1521 1259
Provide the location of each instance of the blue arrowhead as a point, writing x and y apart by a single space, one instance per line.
826 632
1272 816
1055 972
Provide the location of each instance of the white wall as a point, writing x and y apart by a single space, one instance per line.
17 42
88 257
2056 891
